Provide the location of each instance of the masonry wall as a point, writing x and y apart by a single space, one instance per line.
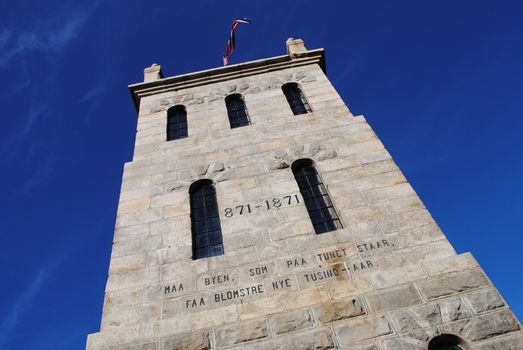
388 280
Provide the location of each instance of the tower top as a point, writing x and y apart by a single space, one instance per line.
154 81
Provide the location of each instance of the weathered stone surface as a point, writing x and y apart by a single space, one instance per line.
336 311
491 325
393 298
483 300
145 346
402 344
429 315
361 330
241 332
451 283
291 321
311 340
505 343
197 340
389 258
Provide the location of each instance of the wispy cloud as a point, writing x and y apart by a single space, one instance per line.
22 85
39 177
93 93
50 37
24 302
5 36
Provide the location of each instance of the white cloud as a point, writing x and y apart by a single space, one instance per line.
24 302
50 37
95 92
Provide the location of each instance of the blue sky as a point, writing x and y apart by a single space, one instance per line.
440 82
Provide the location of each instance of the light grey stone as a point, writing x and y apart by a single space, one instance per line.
393 298
451 283
483 300
320 339
197 340
336 311
291 321
354 332
241 332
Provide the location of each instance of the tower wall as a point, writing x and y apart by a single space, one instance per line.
388 280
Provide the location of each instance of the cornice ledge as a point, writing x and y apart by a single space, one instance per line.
215 75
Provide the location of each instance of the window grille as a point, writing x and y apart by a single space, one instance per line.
237 111
297 101
176 123
205 220
317 200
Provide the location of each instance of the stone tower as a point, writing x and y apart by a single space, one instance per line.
259 213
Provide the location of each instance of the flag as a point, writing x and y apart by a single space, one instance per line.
231 44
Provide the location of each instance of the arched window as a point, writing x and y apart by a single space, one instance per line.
237 111
317 201
205 220
176 123
447 342
297 101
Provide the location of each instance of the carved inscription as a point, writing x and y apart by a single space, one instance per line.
194 303
299 262
173 288
282 284
214 280
332 255
260 270
370 246
238 293
268 204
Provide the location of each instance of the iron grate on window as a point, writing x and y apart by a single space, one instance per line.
237 111
297 101
317 201
176 123
205 221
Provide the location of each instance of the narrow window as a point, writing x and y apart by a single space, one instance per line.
317 201
297 101
205 221
238 115
176 123
447 342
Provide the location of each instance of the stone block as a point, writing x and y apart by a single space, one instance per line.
429 315
490 325
291 321
437 250
196 340
483 300
236 333
127 263
451 283
357 331
374 168
505 343
123 298
393 298
355 285
336 311
306 297
317 339
393 277
450 264
401 190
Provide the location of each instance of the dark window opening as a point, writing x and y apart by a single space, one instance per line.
447 342
205 220
176 123
297 101
237 111
317 201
